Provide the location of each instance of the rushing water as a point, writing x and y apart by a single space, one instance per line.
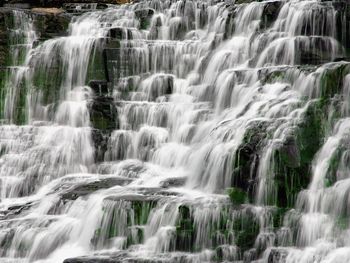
207 94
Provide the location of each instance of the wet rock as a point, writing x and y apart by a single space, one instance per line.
96 259
82 7
100 139
132 211
104 119
332 79
85 189
249 255
5 15
342 25
133 198
116 259
15 210
277 255
185 232
246 229
237 196
247 157
289 153
50 22
130 169
173 182
294 158
315 50
144 16
238 2
118 63
270 13
97 70
99 87
120 33
103 114
140 195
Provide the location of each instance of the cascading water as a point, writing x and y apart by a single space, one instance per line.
178 131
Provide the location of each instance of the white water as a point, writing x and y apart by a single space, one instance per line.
195 94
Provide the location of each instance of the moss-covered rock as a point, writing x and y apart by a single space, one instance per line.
185 232
270 13
332 79
85 189
294 157
50 23
103 114
246 229
247 158
237 196
144 16
124 217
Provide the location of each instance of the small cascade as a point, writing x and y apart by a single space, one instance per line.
177 131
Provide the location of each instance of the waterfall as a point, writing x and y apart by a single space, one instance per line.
177 131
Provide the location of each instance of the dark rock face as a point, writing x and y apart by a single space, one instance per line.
103 117
247 158
50 25
103 114
270 13
5 14
99 87
85 189
277 255
144 16
14 210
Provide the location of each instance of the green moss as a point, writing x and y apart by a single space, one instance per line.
96 68
135 212
142 210
275 76
331 176
342 222
237 196
246 158
185 231
99 122
277 217
331 80
246 229
294 158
